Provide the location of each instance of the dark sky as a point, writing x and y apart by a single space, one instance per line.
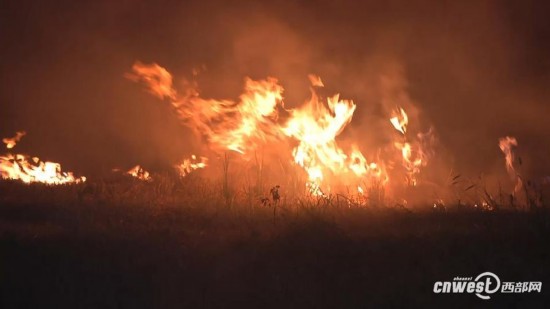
477 70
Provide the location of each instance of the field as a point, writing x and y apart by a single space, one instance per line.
124 243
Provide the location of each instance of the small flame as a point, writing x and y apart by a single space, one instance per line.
315 80
412 154
412 161
191 164
400 120
11 142
506 145
157 78
139 173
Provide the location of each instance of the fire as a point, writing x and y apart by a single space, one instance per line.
361 168
259 118
412 154
315 126
156 77
506 144
11 142
400 120
226 125
28 170
315 80
191 164
139 173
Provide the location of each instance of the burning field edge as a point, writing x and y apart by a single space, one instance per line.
275 210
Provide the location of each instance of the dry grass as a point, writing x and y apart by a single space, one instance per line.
119 242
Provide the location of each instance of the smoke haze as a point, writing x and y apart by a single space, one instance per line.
475 71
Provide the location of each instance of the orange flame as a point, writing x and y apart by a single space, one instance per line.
226 125
412 154
156 78
191 164
139 173
26 169
254 120
400 120
316 126
506 144
11 142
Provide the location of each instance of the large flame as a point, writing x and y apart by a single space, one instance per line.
315 126
227 125
31 169
259 118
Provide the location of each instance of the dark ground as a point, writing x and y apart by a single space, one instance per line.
98 255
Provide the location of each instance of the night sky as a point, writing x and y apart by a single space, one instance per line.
476 71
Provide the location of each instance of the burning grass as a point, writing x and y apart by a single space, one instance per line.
304 136
318 223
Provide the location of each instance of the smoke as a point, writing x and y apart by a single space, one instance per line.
473 71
